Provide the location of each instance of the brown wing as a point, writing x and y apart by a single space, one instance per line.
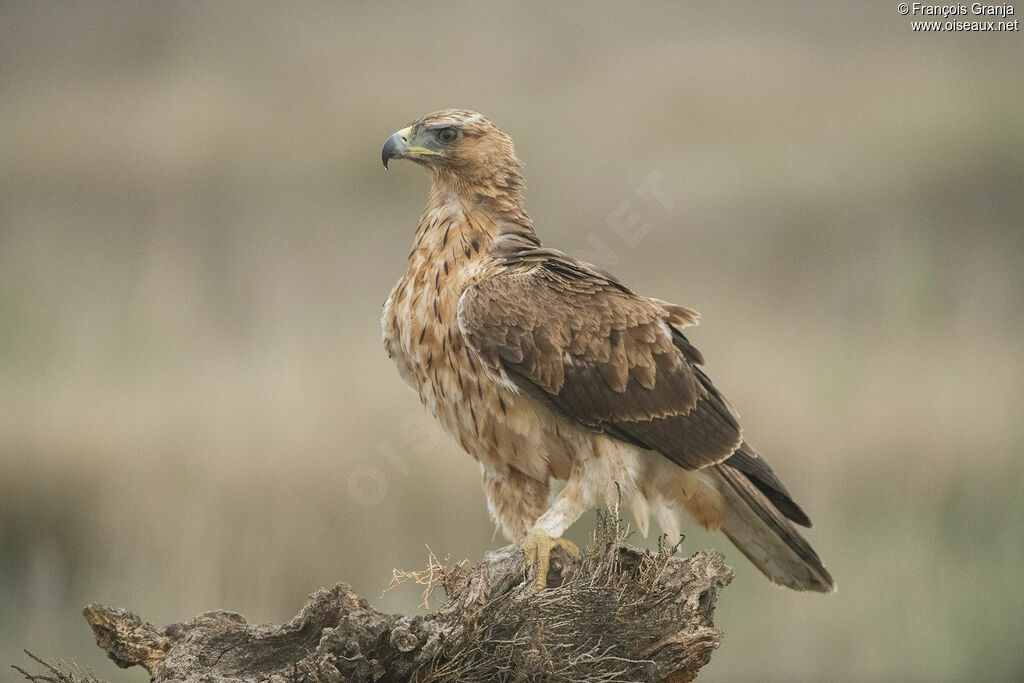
594 351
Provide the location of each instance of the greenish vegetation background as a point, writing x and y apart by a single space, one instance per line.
196 236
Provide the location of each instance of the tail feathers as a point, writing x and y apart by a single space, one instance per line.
767 538
759 472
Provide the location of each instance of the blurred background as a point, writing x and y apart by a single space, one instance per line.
196 237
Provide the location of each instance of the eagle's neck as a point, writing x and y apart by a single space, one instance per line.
495 188
499 192
461 220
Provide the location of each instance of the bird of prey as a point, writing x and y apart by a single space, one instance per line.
544 367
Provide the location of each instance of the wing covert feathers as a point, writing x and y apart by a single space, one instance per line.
600 354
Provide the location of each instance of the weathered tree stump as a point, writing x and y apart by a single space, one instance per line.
617 614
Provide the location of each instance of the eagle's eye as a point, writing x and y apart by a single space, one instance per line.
448 135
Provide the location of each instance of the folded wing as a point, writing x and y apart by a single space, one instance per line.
600 354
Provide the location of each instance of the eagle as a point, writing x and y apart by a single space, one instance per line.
547 369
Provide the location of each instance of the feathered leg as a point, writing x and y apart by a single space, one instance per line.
515 501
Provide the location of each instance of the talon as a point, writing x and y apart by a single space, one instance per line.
568 546
537 554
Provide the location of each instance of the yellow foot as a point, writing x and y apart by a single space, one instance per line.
537 551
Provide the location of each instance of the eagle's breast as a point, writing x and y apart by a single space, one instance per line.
488 416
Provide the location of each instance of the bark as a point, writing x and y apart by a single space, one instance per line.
617 614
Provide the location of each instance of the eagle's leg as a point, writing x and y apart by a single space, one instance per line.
568 506
537 552
515 500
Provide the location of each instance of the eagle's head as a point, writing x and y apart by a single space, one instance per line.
462 148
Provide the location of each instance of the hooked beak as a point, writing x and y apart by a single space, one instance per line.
397 146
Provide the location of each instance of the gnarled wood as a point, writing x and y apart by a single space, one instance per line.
617 614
